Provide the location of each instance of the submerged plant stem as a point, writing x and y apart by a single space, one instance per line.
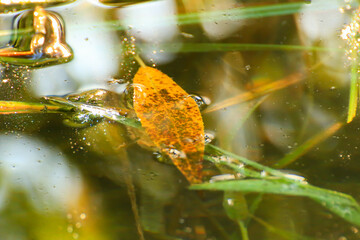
13 107
243 230
306 146
257 92
139 60
354 90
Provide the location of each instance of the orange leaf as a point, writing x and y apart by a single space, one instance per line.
172 120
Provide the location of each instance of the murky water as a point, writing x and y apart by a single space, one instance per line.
271 78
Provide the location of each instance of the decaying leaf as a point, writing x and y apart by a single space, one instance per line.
172 120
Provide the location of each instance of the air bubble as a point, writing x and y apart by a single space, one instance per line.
201 101
209 136
129 96
162 158
83 216
174 153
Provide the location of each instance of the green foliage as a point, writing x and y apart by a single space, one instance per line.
275 182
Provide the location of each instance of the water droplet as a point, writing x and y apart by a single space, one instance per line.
70 229
162 158
201 101
209 136
354 230
129 96
230 201
78 225
94 97
174 153
81 119
222 177
83 216
45 45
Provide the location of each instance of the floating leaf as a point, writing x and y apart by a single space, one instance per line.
172 119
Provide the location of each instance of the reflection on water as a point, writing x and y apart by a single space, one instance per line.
281 68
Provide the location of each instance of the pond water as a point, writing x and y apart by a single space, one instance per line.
277 86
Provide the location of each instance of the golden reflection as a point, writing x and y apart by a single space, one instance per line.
44 45
9 6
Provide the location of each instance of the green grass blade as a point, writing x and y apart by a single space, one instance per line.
234 166
244 231
241 13
354 91
341 204
214 149
306 146
14 107
282 233
234 14
226 47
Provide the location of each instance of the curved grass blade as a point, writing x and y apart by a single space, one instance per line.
341 204
234 14
354 90
211 149
306 146
225 47
257 92
241 13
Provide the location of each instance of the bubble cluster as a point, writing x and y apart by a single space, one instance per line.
351 34
346 7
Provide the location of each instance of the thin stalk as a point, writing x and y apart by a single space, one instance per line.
13 107
243 230
225 47
306 146
255 93
139 60
354 89
132 195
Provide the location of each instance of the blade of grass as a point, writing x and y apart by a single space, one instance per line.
224 47
234 14
354 90
255 93
306 146
243 230
12 107
280 232
236 167
61 105
241 13
214 149
341 204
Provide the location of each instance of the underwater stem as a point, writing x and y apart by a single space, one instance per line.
354 90
243 230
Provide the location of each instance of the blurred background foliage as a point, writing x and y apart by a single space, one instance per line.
277 78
